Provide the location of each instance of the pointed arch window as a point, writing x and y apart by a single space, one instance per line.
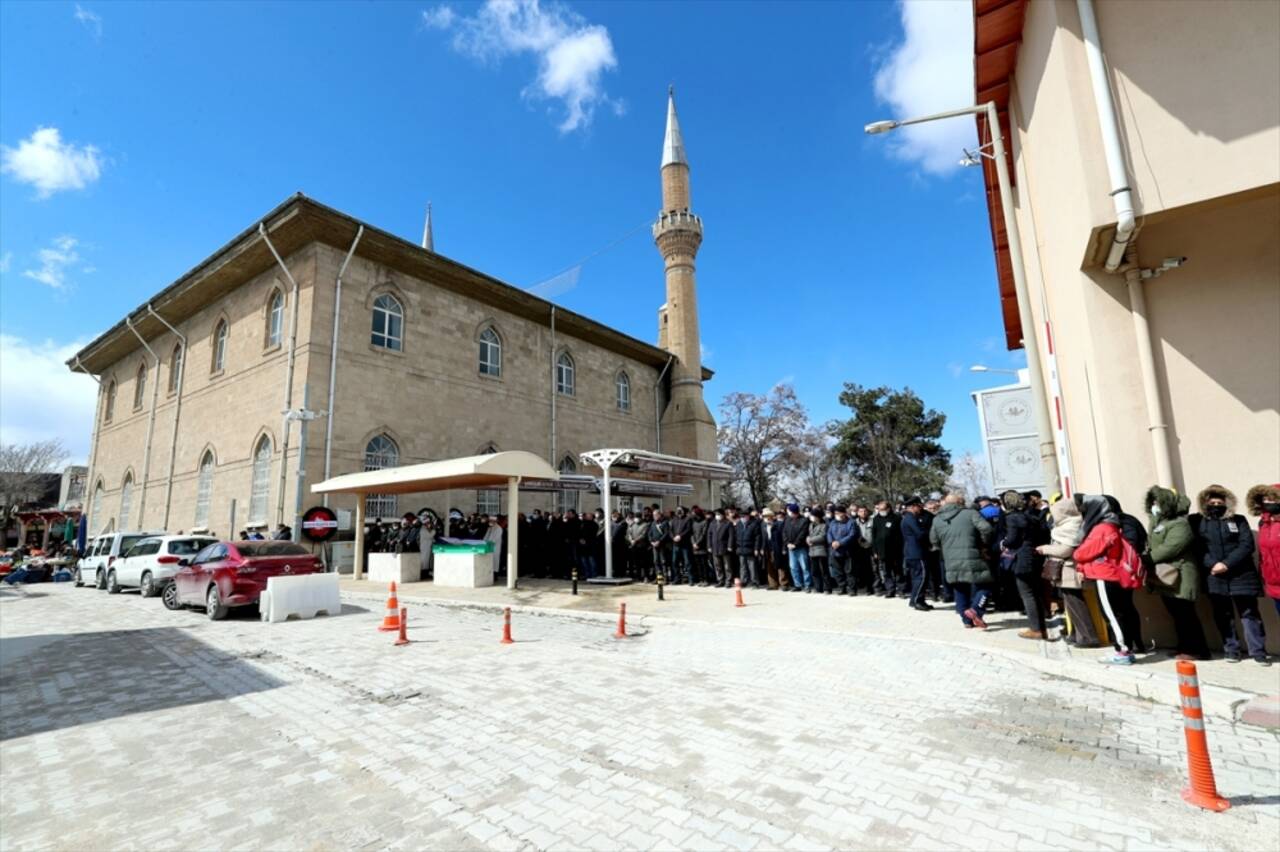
275 318
126 501
566 500
99 494
109 408
260 489
175 368
566 375
490 353
381 452
140 386
623 386
219 347
204 489
388 323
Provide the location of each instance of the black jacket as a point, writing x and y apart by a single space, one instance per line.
886 537
682 527
1230 541
775 540
659 532
1022 533
722 538
698 535
750 538
915 536
796 531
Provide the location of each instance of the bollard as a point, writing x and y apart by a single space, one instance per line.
1203 791
661 582
622 621
404 627
575 581
737 593
506 627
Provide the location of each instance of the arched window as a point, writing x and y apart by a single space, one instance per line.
204 489
388 323
623 383
490 353
275 318
175 367
261 483
565 381
99 493
381 452
126 501
566 500
109 409
219 347
140 386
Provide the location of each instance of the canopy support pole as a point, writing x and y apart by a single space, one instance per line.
513 532
605 502
357 570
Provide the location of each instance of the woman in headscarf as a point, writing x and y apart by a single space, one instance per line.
1064 538
1105 557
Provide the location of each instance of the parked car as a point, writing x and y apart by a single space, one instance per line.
153 561
229 574
101 554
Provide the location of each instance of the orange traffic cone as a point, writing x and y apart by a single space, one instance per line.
737 593
506 627
622 621
391 621
403 639
1203 791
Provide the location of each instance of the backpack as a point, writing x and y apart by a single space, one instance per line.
1133 570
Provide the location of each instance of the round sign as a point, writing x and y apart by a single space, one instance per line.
319 523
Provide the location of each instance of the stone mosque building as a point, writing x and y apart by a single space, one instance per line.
405 355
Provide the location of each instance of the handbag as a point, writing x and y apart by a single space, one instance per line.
1165 576
1052 570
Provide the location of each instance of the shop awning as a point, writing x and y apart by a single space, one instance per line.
488 471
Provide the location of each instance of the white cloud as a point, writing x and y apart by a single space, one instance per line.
54 262
442 17
572 53
40 398
49 164
91 20
5 259
931 70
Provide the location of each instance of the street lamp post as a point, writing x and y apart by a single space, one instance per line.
1039 400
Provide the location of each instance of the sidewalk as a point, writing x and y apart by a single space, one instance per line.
1225 687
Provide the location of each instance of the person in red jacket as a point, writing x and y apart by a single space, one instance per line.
1264 503
1101 558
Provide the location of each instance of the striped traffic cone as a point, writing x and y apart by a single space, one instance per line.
1203 791
391 621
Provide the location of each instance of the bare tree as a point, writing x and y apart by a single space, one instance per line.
815 476
23 472
969 474
758 436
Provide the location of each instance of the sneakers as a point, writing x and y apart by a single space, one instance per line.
1262 661
1030 634
1117 659
972 615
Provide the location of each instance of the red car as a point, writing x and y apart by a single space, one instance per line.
234 573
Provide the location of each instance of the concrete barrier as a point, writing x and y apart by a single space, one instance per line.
398 567
304 596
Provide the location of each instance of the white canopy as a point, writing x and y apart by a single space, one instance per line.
488 471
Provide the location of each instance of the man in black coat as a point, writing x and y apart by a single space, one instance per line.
681 547
659 544
720 533
886 545
795 535
749 542
915 546
699 537
1225 546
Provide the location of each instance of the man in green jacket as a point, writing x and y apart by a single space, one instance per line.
963 535
1176 575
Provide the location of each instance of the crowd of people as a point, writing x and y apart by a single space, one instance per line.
1018 551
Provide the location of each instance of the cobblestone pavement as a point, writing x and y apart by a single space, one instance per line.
123 725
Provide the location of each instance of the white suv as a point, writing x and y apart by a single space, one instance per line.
152 561
102 552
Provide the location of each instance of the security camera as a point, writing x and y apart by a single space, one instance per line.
1172 262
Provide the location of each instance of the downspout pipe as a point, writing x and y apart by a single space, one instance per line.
1134 277
288 377
1109 125
333 358
151 428
553 460
657 410
177 410
87 509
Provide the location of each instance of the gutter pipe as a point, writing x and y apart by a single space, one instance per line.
553 461
1109 125
333 359
177 411
151 427
288 378
87 509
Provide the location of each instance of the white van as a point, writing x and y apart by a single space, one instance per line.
105 550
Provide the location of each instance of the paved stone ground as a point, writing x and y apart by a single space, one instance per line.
126 726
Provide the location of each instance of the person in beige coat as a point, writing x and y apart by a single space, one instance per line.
1064 537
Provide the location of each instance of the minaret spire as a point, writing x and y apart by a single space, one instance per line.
673 144
428 240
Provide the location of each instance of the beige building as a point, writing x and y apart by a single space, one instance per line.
1167 367
404 355
1145 152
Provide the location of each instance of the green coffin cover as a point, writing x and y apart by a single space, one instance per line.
478 547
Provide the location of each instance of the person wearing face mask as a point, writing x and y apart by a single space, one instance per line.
681 548
1175 571
701 555
795 531
720 536
1264 504
639 559
886 544
1107 558
864 577
816 540
1225 544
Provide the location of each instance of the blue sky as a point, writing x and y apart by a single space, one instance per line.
138 138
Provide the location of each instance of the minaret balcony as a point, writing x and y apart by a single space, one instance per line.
677 220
